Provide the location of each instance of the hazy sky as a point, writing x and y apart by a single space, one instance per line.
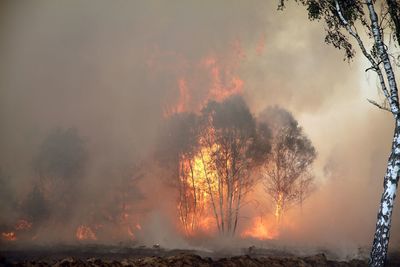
111 69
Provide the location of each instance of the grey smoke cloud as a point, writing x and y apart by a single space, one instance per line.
110 69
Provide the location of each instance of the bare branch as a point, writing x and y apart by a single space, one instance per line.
370 68
378 105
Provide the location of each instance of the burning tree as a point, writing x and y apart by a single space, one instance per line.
213 155
177 149
235 148
287 176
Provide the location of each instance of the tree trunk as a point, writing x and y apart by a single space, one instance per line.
221 203
391 179
279 208
229 203
194 213
210 191
237 207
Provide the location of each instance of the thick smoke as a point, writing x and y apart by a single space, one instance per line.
113 71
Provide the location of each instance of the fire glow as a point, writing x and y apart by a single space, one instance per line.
197 192
214 173
9 236
209 201
21 226
205 197
262 229
84 232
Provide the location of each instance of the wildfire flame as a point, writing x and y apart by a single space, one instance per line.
131 230
219 72
9 236
199 186
183 101
260 229
84 232
20 226
200 190
198 179
224 82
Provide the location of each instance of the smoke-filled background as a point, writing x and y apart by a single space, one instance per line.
113 70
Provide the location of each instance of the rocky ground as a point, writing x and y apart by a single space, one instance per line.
159 257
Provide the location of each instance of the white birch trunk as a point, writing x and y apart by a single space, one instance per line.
391 179
390 182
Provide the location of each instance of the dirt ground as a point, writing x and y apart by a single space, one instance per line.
143 256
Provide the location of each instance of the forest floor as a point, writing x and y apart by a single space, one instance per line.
101 255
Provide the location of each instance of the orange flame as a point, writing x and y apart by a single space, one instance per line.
131 233
84 232
9 236
131 230
260 230
219 77
223 82
183 100
199 186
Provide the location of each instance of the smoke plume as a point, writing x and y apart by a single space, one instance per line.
115 71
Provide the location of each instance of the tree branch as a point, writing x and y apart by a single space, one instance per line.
375 66
382 51
378 105
394 10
